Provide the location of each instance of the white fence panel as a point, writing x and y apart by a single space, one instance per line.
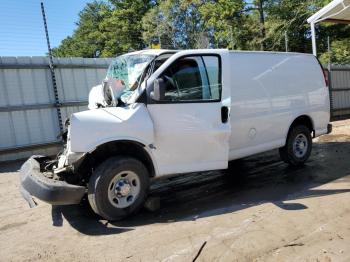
340 91
28 116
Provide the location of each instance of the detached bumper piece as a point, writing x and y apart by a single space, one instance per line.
36 183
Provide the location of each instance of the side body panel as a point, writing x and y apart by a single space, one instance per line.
268 92
189 137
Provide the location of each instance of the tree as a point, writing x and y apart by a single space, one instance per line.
257 14
226 23
175 24
340 53
112 27
289 18
106 29
88 39
124 26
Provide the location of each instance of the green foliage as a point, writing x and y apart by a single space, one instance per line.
106 29
288 17
174 24
340 53
227 23
124 26
111 27
88 40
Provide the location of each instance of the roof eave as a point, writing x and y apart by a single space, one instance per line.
315 17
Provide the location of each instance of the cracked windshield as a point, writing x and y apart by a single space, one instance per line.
125 72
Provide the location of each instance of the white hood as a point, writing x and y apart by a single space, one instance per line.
91 128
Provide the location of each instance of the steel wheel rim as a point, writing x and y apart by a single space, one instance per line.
300 145
124 189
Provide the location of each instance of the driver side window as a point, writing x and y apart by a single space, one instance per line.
194 78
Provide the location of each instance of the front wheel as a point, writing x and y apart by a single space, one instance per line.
298 146
118 187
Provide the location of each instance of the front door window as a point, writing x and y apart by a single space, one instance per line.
194 78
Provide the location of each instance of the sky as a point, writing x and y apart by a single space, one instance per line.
22 29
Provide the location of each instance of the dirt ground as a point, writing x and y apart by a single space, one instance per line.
264 211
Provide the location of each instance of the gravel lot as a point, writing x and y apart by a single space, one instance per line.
264 211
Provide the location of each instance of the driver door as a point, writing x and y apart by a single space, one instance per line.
191 121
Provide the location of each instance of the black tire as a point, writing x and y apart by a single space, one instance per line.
99 184
287 152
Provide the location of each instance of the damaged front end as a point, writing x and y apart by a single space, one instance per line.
47 186
66 161
53 180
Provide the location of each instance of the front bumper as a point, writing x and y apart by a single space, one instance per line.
55 192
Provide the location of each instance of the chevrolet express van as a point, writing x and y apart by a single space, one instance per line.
162 112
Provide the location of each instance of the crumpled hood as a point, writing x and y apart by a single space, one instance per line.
89 129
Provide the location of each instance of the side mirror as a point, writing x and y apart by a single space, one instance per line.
158 92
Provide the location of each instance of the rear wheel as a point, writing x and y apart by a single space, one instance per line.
118 187
298 146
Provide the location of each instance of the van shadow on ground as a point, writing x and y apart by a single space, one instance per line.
253 181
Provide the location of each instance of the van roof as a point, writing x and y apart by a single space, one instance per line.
270 52
151 52
161 51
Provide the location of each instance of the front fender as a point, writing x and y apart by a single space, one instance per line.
89 129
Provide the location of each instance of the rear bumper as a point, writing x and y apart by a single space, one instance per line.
55 192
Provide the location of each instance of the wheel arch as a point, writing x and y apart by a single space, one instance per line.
128 148
305 120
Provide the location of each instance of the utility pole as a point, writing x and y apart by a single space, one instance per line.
52 71
286 40
262 23
231 38
159 42
330 75
158 21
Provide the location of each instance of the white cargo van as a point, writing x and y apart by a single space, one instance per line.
162 112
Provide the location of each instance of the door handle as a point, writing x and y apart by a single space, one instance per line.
224 114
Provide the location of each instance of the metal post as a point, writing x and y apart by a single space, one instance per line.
159 41
329 53
52 70
158 33
313 38
286 40
330 77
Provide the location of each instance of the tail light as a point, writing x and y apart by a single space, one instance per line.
326 76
